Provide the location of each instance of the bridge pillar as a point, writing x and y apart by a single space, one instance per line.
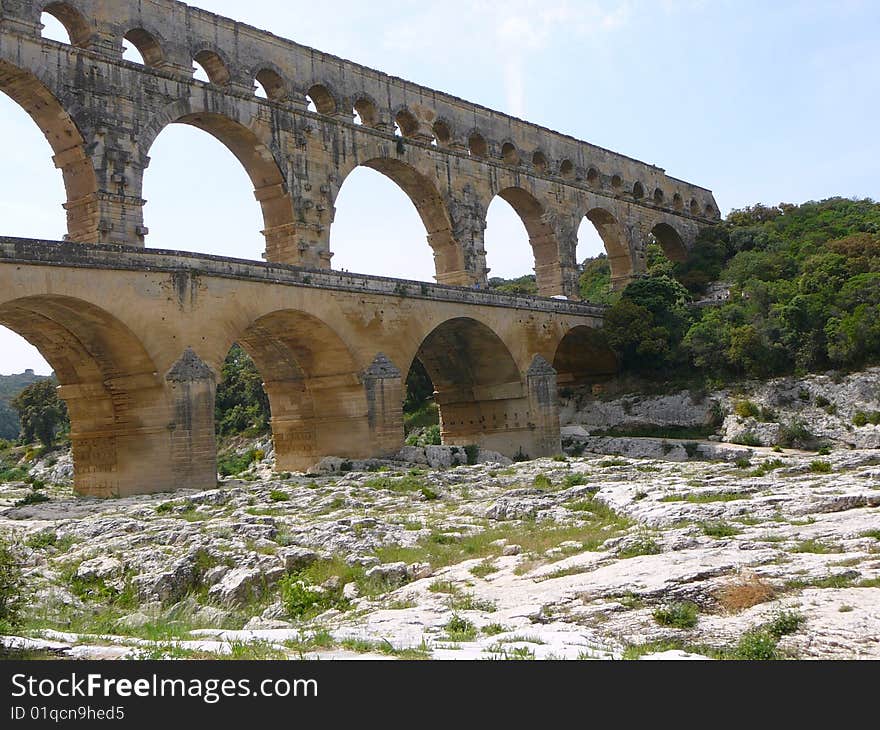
317 417
543 407
384 386
193 448
460 254
135 434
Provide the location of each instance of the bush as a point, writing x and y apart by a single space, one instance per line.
784 623
796 435
863 419
12 585
302 600
459 628
820 467
542 481
746 409
678 615
233 464
756 645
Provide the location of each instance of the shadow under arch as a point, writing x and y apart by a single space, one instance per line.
68 146
542 238
477 384
109 383
258 161
614 238
582 357
670 241
422 191
311 378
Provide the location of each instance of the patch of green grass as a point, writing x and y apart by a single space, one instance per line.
820 467
397 484
816 546
481 570
443 586
459 628
743 462
542 481
766 467
560 458
279 495
679 615
574 480
607 463
869 583
838 580
601 524
562 572
493 629
469 602
719 529
784 623
643 544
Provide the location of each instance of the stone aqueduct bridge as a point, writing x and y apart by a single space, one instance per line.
137 337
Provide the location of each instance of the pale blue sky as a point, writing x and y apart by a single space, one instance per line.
758 101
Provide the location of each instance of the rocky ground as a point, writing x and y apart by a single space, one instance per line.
695 549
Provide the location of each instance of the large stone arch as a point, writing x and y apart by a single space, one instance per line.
314 386
429 202
583 356
67 143
479 387
542 237
670 241
256 157
115 396
617 245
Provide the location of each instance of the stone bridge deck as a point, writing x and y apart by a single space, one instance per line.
137 339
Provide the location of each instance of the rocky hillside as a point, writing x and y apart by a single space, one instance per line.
831 410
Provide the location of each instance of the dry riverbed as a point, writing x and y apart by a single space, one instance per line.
775 555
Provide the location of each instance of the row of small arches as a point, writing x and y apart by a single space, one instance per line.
271 85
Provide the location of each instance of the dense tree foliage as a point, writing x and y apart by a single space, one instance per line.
804 295
527 284
43 415
241 405
11 386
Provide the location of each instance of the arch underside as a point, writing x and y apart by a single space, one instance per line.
448 257
583 356
68 147
670 241
107 380
542 238
270 187
478 385
616 245
312 382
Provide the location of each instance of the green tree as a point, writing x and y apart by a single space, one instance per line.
419 388
241 404
42 414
